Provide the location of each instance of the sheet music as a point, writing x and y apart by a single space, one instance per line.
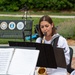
5 59
24 62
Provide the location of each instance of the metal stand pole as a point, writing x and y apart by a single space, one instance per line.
26 17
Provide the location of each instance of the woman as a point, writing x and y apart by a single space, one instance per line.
47 32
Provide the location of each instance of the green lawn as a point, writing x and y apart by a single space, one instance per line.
42 13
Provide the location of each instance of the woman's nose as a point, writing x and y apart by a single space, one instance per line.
44 28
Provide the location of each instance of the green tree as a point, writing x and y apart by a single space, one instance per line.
15 5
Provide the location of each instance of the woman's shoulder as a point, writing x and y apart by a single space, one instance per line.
38 40
61 38
62 41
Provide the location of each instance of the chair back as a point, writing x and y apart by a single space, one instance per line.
69 68
71 54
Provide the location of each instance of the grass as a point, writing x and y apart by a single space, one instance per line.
72 13
5 41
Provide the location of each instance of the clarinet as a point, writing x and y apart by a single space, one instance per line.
42 70
43 40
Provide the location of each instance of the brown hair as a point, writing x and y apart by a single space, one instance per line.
49 20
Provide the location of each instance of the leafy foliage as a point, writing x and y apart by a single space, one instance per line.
67 29
15 5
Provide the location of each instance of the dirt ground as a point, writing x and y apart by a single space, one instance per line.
73 64
71 42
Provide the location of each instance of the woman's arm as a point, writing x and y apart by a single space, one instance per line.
62 43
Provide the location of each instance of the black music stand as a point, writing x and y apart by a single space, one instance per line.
48 57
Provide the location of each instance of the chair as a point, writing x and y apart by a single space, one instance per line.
69 68
28 30
37 28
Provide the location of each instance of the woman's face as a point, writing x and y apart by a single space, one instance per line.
46 27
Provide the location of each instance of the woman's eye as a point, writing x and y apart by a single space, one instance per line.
42 27
46 26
